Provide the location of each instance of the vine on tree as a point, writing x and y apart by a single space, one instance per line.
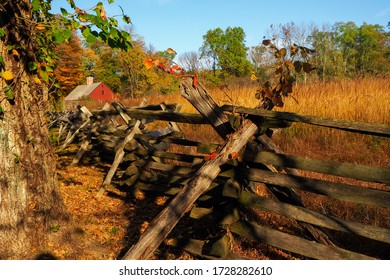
46 31
288 63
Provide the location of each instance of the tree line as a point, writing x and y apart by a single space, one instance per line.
343 49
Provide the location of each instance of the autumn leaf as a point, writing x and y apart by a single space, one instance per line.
266 42
37 81
289 64
161 65
253 76
172 51
40 27
283 52
278 101
174 68
103 14
195 81
8 76
148 63
294 50
278 87
15 53
126 19
307 67
233 155
298 66
258 94
210 157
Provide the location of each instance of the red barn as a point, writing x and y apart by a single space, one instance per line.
91 91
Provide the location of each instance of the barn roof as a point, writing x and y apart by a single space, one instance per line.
81 91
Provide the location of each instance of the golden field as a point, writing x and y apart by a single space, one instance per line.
365 100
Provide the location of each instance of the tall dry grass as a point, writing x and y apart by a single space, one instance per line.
364 100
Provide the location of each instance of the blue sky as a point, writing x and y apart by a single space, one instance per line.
180 24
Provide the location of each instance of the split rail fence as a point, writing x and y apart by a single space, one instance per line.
215 183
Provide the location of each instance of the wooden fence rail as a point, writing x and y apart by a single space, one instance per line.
352 126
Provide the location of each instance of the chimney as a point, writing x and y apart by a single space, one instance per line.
89 80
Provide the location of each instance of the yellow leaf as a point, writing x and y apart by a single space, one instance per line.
253 76
8 76
40 27
283 52
37 81
170 50
15 52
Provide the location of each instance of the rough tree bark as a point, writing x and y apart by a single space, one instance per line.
30 202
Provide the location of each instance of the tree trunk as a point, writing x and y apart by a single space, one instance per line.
30 202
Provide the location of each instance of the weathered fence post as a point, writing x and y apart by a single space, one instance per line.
206 106
120 150
163 224
70 136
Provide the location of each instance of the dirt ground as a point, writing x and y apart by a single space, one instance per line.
115 221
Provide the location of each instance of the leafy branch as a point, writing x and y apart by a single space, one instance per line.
51 30
165 63
288 63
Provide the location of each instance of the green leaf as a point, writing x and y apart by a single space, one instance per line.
103 36
32 66
85 17
1 110
17 159
43 75
95 33
2 32
9 93
113 21
55 228
2 64
36 5
67 34
86 32
126 19
64 12
113 33
49 69
112 43
72 4
90 39
58 37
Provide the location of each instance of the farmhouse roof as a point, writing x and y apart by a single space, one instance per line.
81 91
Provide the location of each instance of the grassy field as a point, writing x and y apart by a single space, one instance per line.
365 100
